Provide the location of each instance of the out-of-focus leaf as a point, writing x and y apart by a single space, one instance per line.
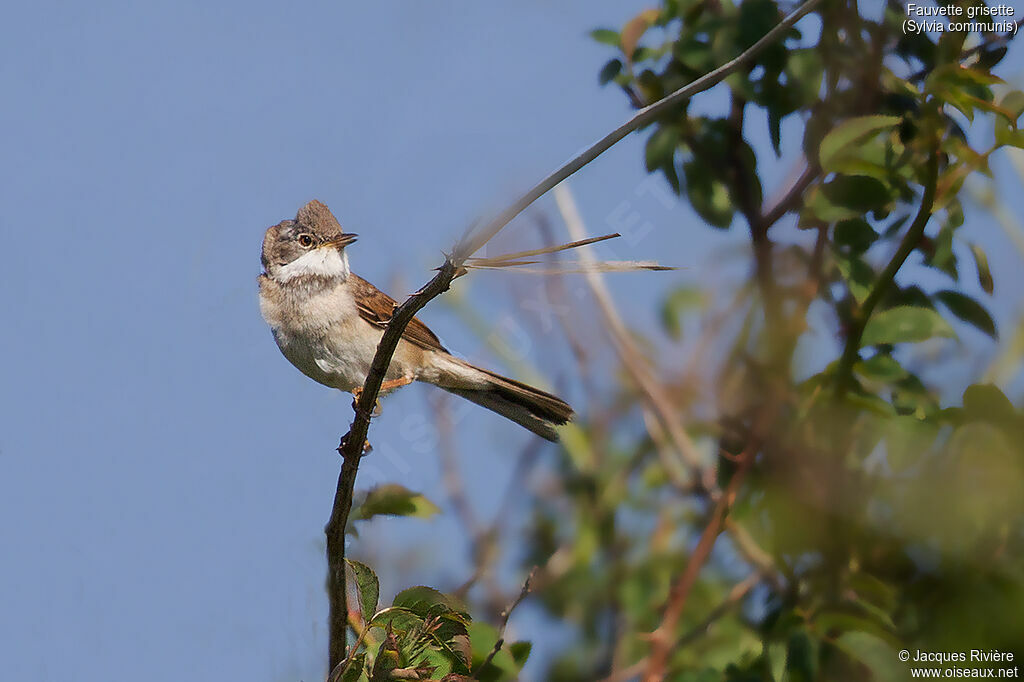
635 29
905 324
842 138
801 662
367 586
606 36
609 71
1013 104
857 274
677 304
806 69
709 196
941 256
908 438
661 147
984 273
520 651
854 235
819 207
987 402
502 666
881 368
875 653
392 499
857 192
968 310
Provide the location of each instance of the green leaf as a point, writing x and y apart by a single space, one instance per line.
904 324
844 136
397 618
355 668
367 586
968 310
606 36
987 402
854 235
984 273
676 305
858 275
392 499
819 207
520 651
1013 104
610 71
708 196
881 368
661 147
503 666
858 193
875 653
801 662
421 599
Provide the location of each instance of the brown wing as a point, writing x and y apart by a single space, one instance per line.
376 308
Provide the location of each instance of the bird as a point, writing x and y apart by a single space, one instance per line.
327 321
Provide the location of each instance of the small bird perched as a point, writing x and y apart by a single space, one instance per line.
328 321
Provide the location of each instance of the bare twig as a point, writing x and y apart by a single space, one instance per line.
504 623
627 349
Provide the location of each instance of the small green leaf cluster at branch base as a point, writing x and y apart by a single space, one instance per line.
423 635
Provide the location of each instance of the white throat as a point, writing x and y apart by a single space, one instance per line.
325 262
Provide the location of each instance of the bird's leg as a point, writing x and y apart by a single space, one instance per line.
396 383
385 386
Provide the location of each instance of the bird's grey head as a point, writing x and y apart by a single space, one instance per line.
311 245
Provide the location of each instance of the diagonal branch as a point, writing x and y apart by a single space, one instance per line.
472 243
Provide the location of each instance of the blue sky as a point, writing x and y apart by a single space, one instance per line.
164 473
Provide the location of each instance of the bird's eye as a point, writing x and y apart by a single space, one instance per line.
305 241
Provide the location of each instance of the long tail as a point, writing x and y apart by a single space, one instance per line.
527 406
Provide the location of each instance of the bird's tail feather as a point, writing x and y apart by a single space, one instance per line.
529 407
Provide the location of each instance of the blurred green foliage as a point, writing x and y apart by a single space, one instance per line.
871 516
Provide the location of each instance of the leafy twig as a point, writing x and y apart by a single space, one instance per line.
860 317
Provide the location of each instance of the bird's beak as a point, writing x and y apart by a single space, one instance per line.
342 241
